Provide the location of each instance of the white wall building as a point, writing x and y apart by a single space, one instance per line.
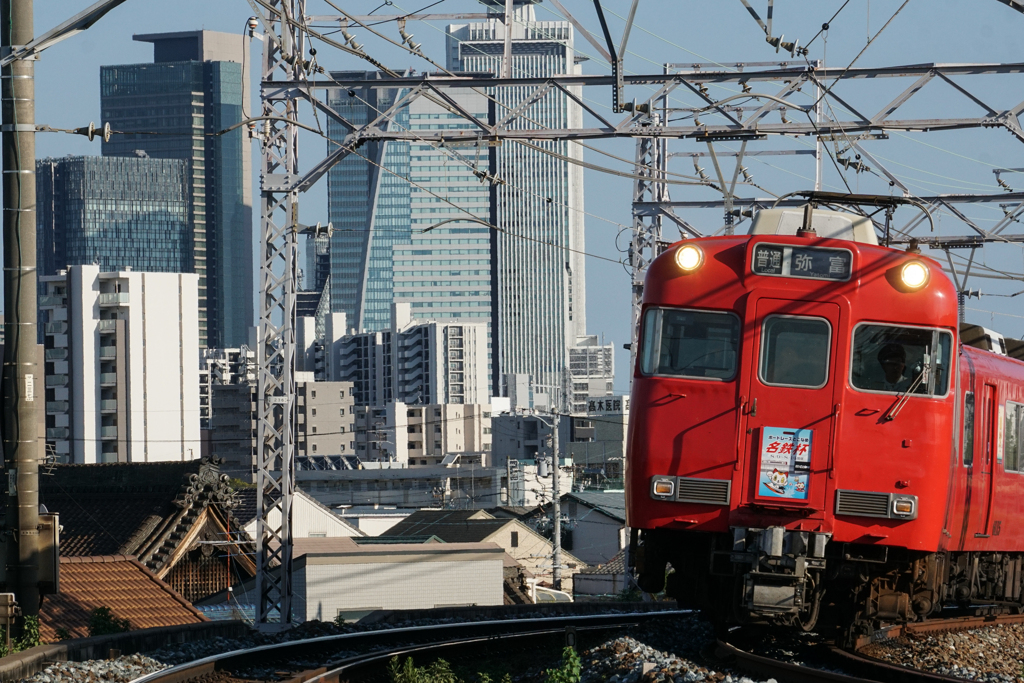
223 366
592 368
121 356
333 577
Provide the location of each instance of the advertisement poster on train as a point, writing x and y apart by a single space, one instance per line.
785 463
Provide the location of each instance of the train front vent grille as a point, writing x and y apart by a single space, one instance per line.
862 503
708 491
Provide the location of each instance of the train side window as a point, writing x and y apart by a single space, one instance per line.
795 351
968 428
1012 437
895 360
685 343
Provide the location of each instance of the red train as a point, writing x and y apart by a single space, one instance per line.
813 433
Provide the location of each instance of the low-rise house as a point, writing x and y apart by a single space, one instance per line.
337 577
604 580
593 524
373 520
524 544
118 582
176 518
310 519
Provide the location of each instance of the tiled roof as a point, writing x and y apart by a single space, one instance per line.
512 511
452 526
616 565
115 581
140 509
103 506
612 504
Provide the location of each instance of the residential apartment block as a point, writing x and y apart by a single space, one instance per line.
412 362
121 351
326 423
223 366
420 435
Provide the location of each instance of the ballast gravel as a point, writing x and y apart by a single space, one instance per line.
994 654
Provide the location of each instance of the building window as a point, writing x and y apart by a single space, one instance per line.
314 448
314 412
515 539
312 394
314 430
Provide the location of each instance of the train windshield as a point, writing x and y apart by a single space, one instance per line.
901 359
795 351
683 343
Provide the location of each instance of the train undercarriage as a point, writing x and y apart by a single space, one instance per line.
806 581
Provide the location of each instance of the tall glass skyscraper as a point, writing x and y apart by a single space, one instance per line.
195 87
118 213
540 301
368 206
380 209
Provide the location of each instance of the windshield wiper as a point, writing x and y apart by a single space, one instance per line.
902 399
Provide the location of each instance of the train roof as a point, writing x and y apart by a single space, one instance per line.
836 225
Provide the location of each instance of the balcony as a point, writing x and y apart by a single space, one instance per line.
56 354
57 433
108 405
114 299
56 328
56 380
108 432
108 379
47 301
55 407
108 352
107 326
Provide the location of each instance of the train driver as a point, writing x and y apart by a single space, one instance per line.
893 359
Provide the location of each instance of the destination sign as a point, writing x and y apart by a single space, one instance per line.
814 263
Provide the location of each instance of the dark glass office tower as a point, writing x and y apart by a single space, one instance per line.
118 213
196 86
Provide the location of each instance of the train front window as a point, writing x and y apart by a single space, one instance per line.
795 352
685 343
895 360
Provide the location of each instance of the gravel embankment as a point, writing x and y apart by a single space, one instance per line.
994 654
672 653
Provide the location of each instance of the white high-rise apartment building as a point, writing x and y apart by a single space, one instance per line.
540 307
121 356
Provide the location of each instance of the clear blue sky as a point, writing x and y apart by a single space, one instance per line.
686 31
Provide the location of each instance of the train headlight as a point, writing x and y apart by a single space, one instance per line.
914 274
689 257
903 507
663 487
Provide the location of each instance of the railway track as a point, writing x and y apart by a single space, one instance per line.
858 666
363 656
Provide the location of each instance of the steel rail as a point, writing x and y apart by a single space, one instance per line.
866 667
402 637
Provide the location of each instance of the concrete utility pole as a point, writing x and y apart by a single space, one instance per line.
20 371
556 510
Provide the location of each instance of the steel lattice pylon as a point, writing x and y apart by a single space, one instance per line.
651 159
275 475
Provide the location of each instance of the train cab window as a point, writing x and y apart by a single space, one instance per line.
795 351
968 428
892 359
1012 445
685 343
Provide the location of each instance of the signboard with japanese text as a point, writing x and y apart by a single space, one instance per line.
813 263
608 404
785 463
